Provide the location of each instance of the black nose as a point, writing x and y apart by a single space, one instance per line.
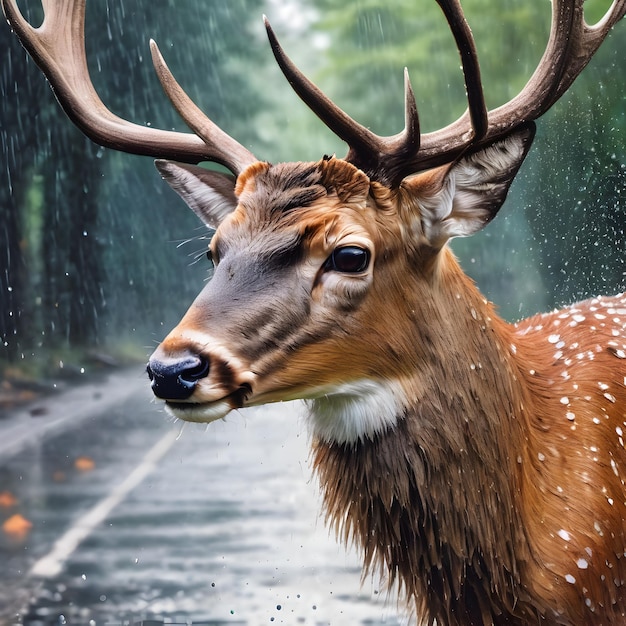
176 379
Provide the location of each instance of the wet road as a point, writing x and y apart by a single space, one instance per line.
135 519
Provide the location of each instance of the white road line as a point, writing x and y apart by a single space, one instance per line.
52 564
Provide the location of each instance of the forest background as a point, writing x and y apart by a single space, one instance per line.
99 257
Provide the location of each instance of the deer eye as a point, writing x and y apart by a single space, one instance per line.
348 259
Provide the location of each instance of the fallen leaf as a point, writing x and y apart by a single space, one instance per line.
16 525
7 499
84 464
58 476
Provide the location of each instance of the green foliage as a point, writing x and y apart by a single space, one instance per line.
150 240
372 41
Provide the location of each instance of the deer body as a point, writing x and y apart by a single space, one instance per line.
504 502
477 464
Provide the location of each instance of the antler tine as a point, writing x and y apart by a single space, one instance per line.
471 68
334 117
58 47
410 136
582 41
380 157
223 148
570 47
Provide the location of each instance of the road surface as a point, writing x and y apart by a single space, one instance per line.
114 514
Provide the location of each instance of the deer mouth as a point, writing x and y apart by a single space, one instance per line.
205 412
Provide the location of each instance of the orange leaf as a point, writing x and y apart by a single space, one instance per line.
84 464
58 476
16 525
7 499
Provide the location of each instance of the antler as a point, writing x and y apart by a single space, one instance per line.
571 45
368 151
58 47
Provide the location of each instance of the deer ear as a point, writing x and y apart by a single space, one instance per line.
209 194
462 198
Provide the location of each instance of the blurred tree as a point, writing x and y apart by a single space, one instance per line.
371 41
88 247
149 282
20 105
86 241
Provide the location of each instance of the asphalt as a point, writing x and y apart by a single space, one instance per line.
55 412
136 519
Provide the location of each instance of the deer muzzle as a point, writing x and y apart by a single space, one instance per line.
198 384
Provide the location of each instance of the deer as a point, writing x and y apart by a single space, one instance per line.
478 465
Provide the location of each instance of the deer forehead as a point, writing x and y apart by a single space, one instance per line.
329 173
324 203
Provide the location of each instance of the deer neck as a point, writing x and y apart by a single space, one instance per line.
432 496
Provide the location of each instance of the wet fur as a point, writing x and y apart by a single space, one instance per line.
488 503
478 493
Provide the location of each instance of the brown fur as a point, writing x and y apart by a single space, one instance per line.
496 496
489 503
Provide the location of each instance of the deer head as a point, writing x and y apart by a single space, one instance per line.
312 261
309 255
